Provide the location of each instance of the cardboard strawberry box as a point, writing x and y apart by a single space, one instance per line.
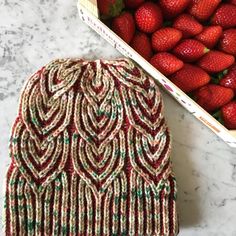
89 14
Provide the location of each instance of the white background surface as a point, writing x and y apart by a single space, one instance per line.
33 32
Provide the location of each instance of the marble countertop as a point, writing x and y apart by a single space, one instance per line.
33 32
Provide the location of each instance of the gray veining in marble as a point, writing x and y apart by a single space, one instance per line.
33 32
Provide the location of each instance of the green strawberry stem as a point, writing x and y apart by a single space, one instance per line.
207 23
115 9
217 115
215 80
206 50
191 95
167 23
222 73
217 77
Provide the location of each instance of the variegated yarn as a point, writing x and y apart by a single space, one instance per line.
90 154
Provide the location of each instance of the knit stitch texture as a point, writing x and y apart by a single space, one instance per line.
90 154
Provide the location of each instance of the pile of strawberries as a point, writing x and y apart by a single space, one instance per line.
193 42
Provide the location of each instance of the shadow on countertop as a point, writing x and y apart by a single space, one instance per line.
188 200
184 153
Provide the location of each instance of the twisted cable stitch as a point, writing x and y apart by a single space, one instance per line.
90 154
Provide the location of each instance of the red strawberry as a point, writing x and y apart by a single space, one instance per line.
124 26
225 16
203 9
229 80
210 35
211 96
166 63
190 50
188 25
232 2
148 17
190 77
165 39
215 61
110 8
133 3
142 44
228 113
172 8
228 41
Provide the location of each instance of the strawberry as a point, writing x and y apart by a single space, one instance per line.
188 25
124 26
190 77
225 16
210 35
232 2
142 44
110 8
203 9
166 63
148 17
215 61
229 79
211 96
133 3
228 113
190 50
228 41
165 39
172 8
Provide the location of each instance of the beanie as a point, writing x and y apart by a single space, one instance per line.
90 154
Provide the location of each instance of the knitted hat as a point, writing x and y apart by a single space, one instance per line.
90 154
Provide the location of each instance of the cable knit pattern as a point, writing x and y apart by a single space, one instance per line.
90 154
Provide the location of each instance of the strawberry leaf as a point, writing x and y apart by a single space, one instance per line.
215 80
218 116
221 74
167 23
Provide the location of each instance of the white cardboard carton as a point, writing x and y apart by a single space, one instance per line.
88 12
